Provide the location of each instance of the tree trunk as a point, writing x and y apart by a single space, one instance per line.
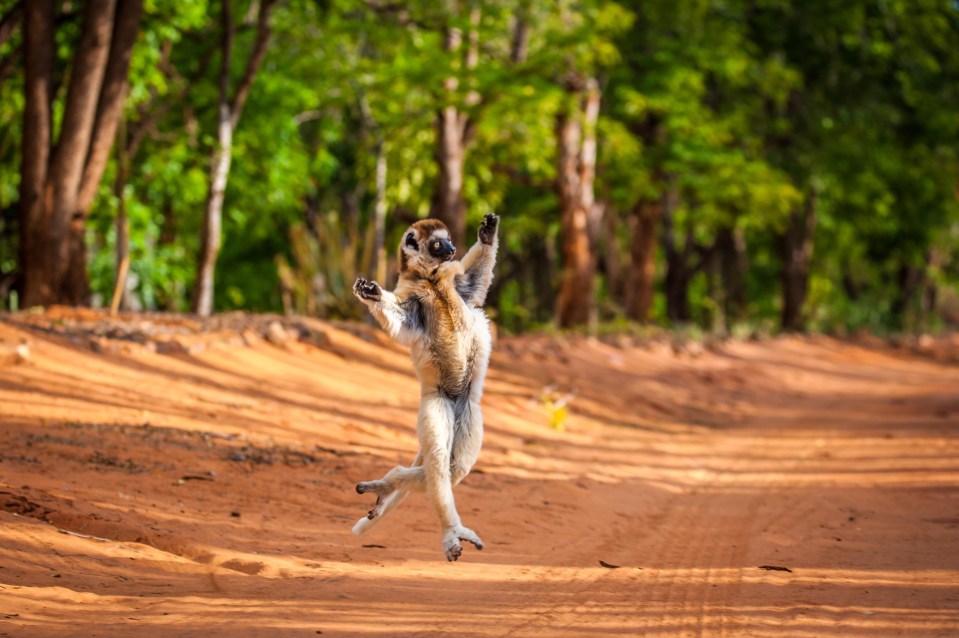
612 257
67 221
930 292
219 171
36 285
58 186
640 279
519 45
379 214
576 136
909 279
110 104
796 248
9 24
228 116
122 222
731 252
678 272
449 205
454 132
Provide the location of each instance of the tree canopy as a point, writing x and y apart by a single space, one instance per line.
721 163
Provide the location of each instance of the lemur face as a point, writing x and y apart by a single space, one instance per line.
425 245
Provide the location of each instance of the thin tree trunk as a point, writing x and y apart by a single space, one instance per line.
122 222
731 250
371 128
36 285
453 136
677 260
612 256
796 248
640 279
930 292
379 214
219 170
10 22
110 105
228 116
449 205
576 136
909 279
519 46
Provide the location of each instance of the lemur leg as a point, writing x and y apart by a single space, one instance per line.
400 478
383 507
435 429
467 441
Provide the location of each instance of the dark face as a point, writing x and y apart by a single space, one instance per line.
441 248
425 245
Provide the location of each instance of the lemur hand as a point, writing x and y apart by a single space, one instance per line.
365 289
487 230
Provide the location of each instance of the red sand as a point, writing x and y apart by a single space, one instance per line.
175 494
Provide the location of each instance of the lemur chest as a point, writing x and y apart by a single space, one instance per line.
456 338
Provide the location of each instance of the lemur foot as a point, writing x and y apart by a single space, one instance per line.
452 538
487 229
366 289
381 488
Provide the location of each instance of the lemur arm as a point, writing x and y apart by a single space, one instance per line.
474 282
401 318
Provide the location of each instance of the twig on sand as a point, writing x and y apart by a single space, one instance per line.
87 536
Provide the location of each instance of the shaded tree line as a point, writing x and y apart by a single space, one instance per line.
700 162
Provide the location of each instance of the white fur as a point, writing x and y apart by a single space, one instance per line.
448 448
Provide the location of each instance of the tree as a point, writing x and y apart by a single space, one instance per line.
229 108
58 181
455 129
579 212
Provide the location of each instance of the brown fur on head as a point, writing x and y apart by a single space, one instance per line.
424 246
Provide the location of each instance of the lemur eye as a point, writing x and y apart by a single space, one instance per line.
411 241
436 245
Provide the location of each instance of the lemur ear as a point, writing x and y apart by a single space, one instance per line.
411 240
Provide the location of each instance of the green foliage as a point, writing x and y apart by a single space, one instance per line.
745 108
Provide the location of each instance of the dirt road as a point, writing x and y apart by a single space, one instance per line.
204 487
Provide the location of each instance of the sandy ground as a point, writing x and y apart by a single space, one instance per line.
796 487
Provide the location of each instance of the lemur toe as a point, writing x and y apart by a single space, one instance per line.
453 553
477 543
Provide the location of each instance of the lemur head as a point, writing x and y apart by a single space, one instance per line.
425 245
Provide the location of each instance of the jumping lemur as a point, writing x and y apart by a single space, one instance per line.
436 309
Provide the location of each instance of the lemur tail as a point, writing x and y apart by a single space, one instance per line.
365 524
